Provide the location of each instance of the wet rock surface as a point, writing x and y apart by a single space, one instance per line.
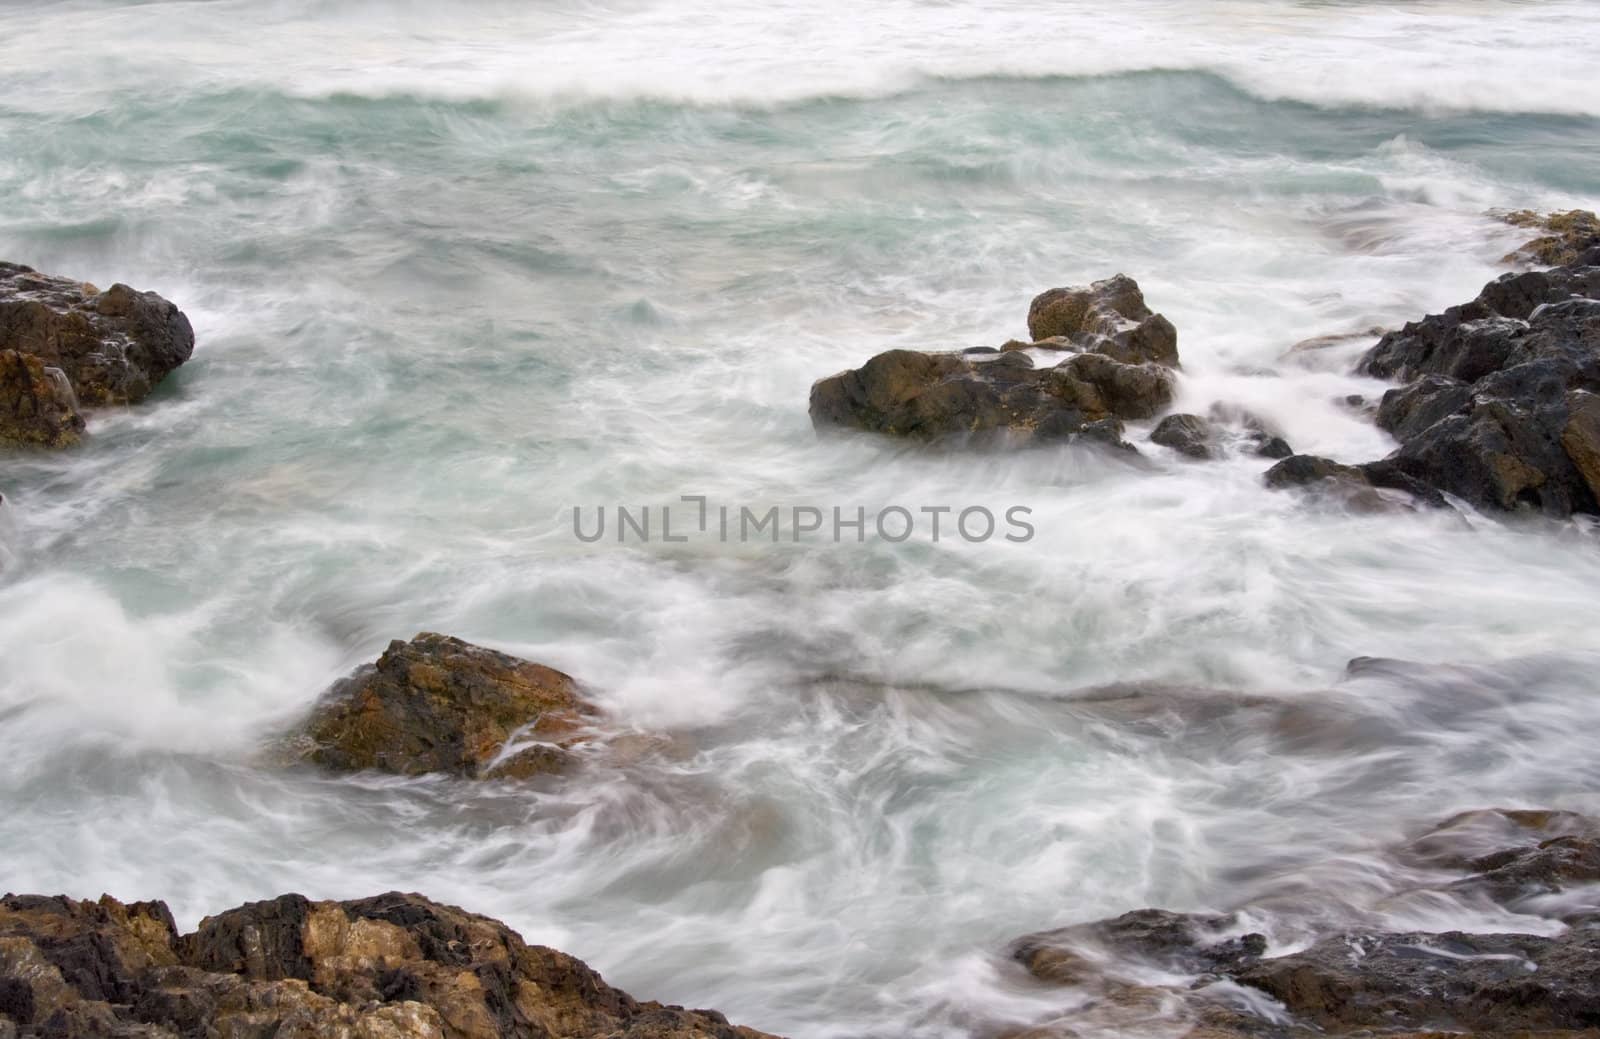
438 704
111 347
396 966
1500 407
1565 237
1372 982
1108 317
37 405
1002 397
1188 435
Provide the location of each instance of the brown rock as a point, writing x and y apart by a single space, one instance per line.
438 704
1568 236
36 403
1581 437
114 346
990 398
391 967
1108 317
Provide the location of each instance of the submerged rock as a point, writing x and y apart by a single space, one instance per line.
1183 942
1001 396
114 346
1108 317
1447 981
438 704
396 966
1369 982
1568 236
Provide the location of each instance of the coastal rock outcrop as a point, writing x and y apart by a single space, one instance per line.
1499 407
438 704
96 348
396 966
990 396
1353 982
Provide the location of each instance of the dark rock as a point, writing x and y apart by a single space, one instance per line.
1187 434
36 403
1500 408
946 396
438 704
1272 447
1469 341
392 967
1411 410
1568 236
114 346
1108 317
1443 981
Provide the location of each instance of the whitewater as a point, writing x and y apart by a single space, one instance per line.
454 274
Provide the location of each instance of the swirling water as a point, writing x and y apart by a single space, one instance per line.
455 274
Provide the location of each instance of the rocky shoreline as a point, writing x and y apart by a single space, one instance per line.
395 966
1498 408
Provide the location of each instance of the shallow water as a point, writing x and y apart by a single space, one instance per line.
452 277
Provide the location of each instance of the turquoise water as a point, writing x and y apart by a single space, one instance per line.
452 277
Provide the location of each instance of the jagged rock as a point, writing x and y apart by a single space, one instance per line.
1267 446
1186 434
114 346
1499 410
395 966
438 704
36 403
1568 236
1492 332
1108 317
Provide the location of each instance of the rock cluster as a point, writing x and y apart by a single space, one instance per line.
1375 982
1120 368
1500 406
65 345
396 966
438 704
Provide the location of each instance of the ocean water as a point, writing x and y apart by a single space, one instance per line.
454 274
